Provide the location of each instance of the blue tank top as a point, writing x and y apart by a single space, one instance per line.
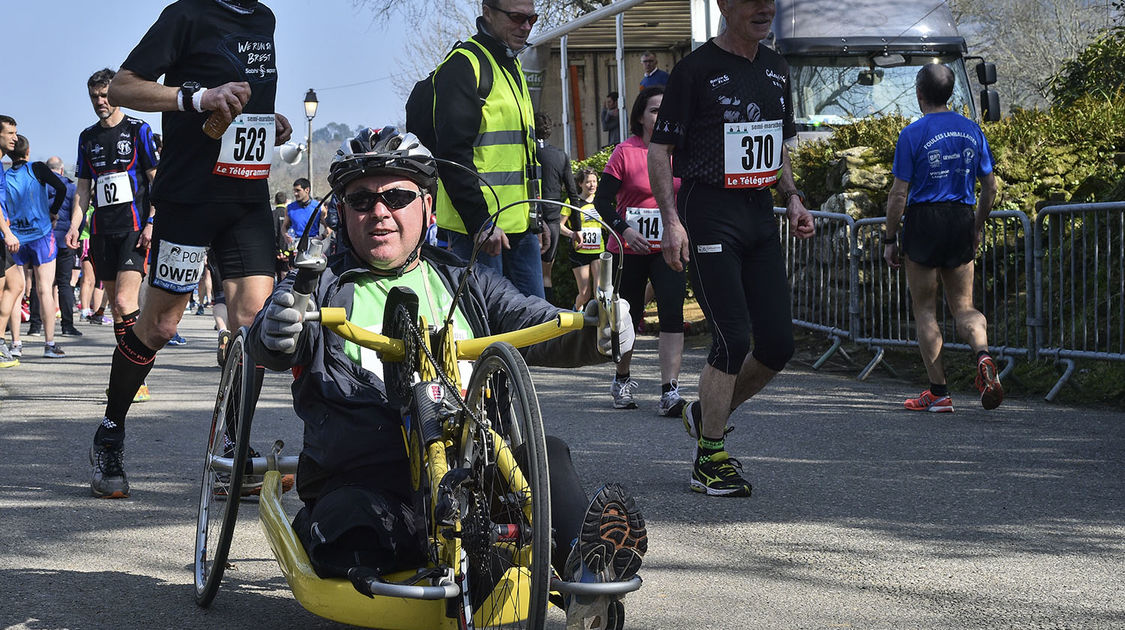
28 206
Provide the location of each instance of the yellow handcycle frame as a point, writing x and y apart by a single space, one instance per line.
336 598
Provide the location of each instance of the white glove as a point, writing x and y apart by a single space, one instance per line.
626 335
283 324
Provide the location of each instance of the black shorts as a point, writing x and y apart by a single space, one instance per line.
738 272
238 236
939 234
578 259
552 228
6 261
114 253
669 286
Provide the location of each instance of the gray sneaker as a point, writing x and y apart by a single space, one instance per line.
109 480
6 358
16 350
622 392
53 351
671 405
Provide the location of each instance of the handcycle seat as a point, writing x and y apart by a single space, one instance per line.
336 598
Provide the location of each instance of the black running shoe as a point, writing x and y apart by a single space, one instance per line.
109 481
613 534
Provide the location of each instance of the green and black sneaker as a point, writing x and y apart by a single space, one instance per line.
717 475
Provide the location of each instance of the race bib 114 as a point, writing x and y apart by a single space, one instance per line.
247 147
752 154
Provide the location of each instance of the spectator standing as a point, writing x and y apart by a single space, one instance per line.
493 139
300 212
654 76
611 121
938 160
558 185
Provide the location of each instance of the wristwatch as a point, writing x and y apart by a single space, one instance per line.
890 240
187 91
800 195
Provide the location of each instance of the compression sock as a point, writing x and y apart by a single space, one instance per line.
126 323
939 390
708 447
132 361
665 388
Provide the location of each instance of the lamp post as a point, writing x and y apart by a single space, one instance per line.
310 113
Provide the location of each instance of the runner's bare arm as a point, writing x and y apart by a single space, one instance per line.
129 89
674 245
81 202
800 221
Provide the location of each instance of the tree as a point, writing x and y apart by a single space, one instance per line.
1030 40
1097 71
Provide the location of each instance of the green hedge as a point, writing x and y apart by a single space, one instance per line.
1074 152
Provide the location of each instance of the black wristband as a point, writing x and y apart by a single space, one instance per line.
890 240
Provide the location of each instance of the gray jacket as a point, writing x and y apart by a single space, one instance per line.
351 431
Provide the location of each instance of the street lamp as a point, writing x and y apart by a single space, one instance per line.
310 113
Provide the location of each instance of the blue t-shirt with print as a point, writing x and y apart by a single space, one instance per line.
299 216
941 155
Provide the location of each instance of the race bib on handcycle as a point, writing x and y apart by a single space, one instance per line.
177 268
647 222
247 148
113 188
751 154
589 239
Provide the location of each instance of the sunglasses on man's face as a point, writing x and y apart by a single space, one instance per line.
516 17
393 198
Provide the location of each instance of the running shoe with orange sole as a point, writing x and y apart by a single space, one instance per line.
926 401
988 383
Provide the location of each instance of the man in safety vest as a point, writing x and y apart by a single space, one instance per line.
491 134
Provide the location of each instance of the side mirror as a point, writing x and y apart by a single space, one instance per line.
989 105
986 73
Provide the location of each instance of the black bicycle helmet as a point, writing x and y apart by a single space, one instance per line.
382 152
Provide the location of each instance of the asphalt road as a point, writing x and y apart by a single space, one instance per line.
863 516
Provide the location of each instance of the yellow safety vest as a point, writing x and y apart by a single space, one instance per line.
502 150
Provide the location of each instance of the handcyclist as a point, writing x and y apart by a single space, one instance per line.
117 162
352 474
211 192
727 113
589 241
624 200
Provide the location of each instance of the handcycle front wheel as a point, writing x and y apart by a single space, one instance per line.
507 523
228 446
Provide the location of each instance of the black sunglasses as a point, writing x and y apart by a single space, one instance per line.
516 17
393 198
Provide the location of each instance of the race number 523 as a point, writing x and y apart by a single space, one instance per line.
246 149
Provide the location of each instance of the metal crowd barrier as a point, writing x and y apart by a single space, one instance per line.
1064 297
1079 275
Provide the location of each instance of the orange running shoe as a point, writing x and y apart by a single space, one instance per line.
928 402
988 383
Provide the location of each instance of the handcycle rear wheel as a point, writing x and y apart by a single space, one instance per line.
507 524
220 488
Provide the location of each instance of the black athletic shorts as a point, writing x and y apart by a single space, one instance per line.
578 259
668 285
939 234
238 236
738 272
114 253
552 228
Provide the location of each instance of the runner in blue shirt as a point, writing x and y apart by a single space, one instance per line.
938 160
297 214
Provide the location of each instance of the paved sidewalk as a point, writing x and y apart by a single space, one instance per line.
863 515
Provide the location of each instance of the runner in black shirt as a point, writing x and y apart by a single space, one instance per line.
727 114
117 161
218 59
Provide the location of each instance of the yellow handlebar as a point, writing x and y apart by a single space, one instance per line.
335 319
